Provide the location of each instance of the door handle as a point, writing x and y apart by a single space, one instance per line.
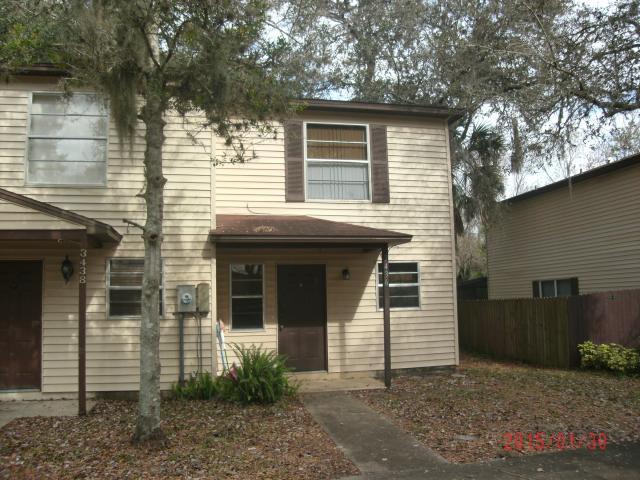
280 327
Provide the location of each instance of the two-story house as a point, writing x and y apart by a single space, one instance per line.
289 242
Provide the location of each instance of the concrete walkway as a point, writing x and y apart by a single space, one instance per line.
10 410
382 450
377 447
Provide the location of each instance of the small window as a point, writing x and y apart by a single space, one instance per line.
404 285
67 140
337 162
124 285
556 288
247 305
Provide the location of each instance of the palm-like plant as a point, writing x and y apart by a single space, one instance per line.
477 176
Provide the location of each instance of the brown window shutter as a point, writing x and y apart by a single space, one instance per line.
575 289
536 289
294 161
379 164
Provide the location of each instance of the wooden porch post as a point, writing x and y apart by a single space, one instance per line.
387 316
82 327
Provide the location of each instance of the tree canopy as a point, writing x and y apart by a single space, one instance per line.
540 73
210 58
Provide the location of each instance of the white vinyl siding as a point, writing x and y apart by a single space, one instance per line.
337 162
67 140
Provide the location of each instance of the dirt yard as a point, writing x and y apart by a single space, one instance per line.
488 410
206 440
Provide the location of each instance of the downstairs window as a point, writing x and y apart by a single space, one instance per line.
404 285
124 287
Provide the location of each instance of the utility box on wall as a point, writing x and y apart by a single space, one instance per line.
186 298
202 296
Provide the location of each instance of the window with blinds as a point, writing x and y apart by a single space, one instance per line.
247 305
337 162
124 287
404 285
67 140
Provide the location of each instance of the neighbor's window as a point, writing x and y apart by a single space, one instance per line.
556 288
247 303
67 140
404 285
124 286
337 162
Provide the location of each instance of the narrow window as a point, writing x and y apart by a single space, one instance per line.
247 304
548 288
337 162
124 285
404 285
67 140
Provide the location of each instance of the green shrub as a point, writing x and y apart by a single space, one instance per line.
260 378
609 356
199 386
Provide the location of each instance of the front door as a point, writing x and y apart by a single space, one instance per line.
302 316
20 324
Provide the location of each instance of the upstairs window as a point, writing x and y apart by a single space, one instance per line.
404 285
67 140
124 287
337 162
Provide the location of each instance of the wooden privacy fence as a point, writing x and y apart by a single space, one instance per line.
547 331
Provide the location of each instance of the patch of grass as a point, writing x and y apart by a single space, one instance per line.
487 399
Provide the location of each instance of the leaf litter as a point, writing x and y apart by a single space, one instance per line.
465 415
206 439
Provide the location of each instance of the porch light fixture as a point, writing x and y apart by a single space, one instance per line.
66 269
346 274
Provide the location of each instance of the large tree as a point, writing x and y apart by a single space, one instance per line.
149 57
539 71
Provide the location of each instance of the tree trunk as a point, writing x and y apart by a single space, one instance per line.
148 425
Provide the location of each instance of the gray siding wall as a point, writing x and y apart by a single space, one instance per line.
591 231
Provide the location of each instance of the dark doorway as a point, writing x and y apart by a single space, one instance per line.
20 324
302 316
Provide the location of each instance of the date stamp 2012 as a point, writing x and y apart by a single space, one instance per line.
540 441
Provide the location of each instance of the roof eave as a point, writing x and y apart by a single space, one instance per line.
625 162
423 111
296 239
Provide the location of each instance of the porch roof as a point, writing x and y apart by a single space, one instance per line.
95 230
299 230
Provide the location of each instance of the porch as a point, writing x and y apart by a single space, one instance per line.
307 288
43 269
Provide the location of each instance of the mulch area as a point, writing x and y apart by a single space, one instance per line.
470 415
205 440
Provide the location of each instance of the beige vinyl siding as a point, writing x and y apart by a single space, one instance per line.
591 231
112 345
420 205
15 217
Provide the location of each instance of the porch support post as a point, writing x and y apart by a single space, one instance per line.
387 315
82 327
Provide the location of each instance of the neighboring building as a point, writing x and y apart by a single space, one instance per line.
289 242
572 237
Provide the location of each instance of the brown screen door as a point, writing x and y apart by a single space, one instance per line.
20 324
302 316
